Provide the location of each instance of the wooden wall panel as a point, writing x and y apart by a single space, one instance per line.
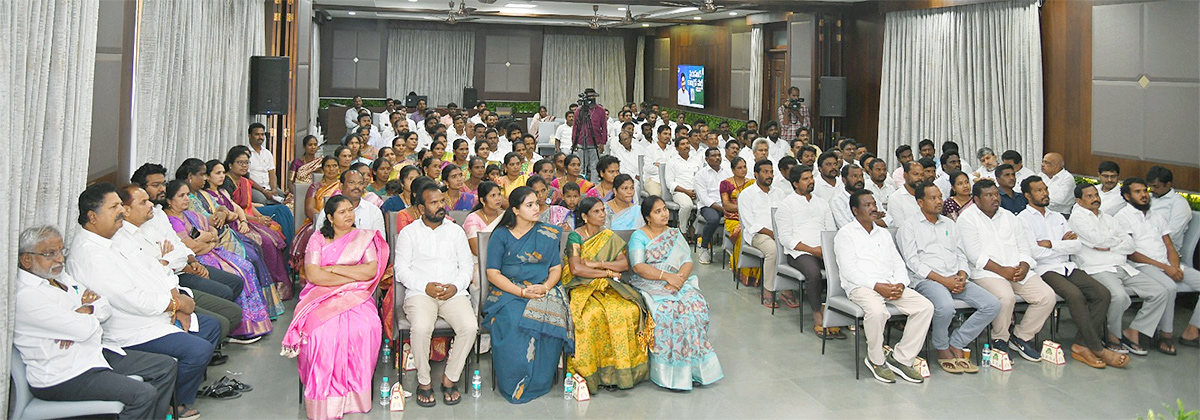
1067 78
703 45
863 68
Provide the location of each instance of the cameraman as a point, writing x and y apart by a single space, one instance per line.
793 114
590 132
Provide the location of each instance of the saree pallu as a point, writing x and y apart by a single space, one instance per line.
557 216
613 328
255 319
465 202
281 215
272 244
732 226
681 353
508 186
628 219
304 171
595 193
584 185
234 241
528 336
319 192
335 335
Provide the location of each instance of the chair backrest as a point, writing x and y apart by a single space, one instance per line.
546 132
833 279
485 286
389 223
398 314
300 191
662 182
459 216
317 176
20 390
624 234
780 256
1187 252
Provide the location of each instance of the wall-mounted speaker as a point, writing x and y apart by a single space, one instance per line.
833 96
269 85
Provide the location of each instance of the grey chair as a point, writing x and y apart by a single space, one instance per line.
301 191
485 289
402 327
641 171
672 206
389 225
840 311
1187 253
459 216
25 406
786 277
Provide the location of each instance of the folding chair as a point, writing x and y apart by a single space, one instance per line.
25 406
840 311
786 277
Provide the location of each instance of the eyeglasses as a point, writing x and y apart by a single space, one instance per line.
241 162
50 254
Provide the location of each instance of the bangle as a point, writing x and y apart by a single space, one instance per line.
523 293
660 274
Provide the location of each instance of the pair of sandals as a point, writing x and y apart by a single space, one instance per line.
832 333
1099 361
225 388
958 365
425 396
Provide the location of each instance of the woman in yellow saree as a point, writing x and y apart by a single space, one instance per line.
730 189
613 328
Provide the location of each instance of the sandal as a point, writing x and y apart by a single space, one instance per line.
790 300
1114 359
237 385
1166 345
836 333
218 391
1086 356
768 302
190 414
966 365
950 366
427 395
1132 347
822 332
448 391
1195 342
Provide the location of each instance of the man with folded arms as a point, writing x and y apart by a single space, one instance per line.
801 218
997 247
1156 257
902 205
58 334
938 268
708 199
429 252
1087 299
873 276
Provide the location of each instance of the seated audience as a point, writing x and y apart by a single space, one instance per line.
904 155
545 169
434 264
878 182
1012 157
960 197
146 316
608 167
1054 245
662 271
656 156
1011 198
261 168
1168 205
401 198
513 177
57 332
1060 182
475 170
839 200
621 210
486 214
261 230
801 218
456 198
873 275
573 165
526 311
612 322
366 215
377 182
276 216
1156 257
708 199
551 214
998 247
680 177
308 162
1110 188
902 205
950 163
731 189
335 334
987 165
754 211
828 168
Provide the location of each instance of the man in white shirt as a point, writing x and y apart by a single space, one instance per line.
801 218
373 137
828 166
680 177
656 159
879 184
1167 204
58 335
627 153
951 163
1106 247
144 314
1089 300
997 245
754 212
383 118
904 155
779 147
708 199
367 216
874 275
839 201
902 205
1012 157
1110 188
355 109
759 149
1157 258
562 134
262 167
847 149
1060 182
937 268
434 264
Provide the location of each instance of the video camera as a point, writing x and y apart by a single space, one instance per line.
587 98
795 104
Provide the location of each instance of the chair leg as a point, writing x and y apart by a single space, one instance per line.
857 354
801 308
823 340
773 302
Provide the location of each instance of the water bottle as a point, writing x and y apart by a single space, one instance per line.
986 354
569 388
385 392
476 382
387 352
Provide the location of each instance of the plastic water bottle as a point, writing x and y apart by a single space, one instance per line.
476 382
986 354
385 392
569 388
387 353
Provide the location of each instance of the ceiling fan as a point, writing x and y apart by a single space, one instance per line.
461 15
463 10
706 6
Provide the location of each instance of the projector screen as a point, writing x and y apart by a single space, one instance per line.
690 86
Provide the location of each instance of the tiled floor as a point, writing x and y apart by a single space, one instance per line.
772 370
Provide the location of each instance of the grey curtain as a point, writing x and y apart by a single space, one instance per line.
191 78
575 62
314 83
46 79
438 64
757 75
971 74
639 72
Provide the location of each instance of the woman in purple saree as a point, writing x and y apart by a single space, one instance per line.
335 334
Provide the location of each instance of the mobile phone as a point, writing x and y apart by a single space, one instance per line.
195 233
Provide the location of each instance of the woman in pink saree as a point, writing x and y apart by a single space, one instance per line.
335 334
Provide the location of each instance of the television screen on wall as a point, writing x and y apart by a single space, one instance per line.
690 86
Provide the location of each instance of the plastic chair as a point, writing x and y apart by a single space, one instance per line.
403 327
485 289
459 216
26 406
786 277
641 170
672 206
840 311
301 191
1187 253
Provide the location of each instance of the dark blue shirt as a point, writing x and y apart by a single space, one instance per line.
1014 203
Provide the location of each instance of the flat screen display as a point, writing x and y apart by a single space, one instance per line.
690 86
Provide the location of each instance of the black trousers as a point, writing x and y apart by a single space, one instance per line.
143 400
1087 300
227 313
220 283
814 284
712 222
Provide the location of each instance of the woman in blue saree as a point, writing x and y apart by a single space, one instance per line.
622 213
526 310
662 271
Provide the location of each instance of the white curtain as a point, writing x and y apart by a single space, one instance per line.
192 78
639 72
437 64
46 80
971 74
756 73
572 63
314 83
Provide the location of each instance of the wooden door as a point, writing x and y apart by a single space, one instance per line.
776 85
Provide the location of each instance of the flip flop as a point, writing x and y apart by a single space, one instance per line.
950 366
425 393
218 392
822 333
790 300
448 391
1195 342
1170 342
235 384
966 365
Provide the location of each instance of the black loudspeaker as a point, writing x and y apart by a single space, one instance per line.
269 85
833 96
470 97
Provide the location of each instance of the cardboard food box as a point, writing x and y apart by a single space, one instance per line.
397 403
1052 352
1000 360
